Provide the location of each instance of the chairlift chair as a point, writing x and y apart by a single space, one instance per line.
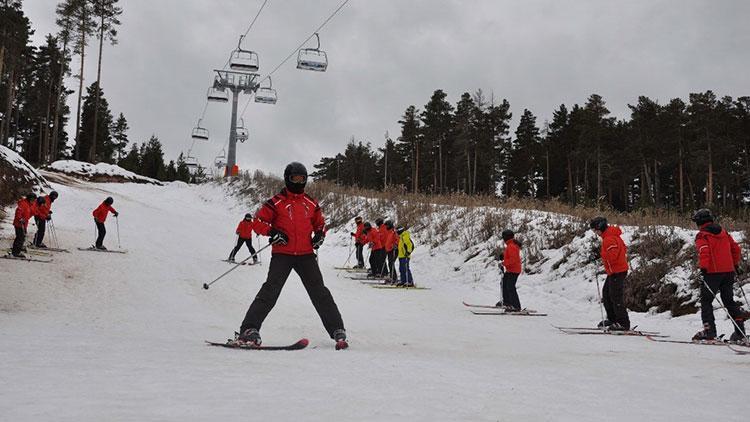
266 95
191 163
217 95
242 132
200 132
243 60
313 59
220 161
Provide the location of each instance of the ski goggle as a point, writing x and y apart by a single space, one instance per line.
298 178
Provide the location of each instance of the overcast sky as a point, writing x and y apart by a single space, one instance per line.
385 55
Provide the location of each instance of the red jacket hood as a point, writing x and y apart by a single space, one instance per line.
612 231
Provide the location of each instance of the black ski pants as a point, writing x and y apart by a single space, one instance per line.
614 299
377 262
510 295
360 255
240 241
719 283
306 266
102 231
41 226
18 243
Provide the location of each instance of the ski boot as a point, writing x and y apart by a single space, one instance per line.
618 327
499 304
101 248
255 259
707 333
604 323
339 336
231 259
18 255
738 336
251 337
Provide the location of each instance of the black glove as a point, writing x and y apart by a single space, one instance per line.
704 271
318 239
117 214
501 266
738 270
501 257
352 233
278 237
49 217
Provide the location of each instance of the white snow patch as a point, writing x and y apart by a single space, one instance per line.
89 171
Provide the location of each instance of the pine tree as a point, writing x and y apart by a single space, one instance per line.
183 173
152 159
15 53
436 131
524 166
104 139
119 136
132 160
408 146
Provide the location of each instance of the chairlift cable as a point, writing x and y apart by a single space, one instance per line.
247 32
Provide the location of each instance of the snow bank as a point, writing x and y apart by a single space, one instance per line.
17 177
100 172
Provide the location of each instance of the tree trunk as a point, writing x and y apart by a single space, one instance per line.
5 129
440 167
80 87
474 186
710 178
657 193
58 106
647 182
598 173
92 151
467 189
416 167
682 187
570 183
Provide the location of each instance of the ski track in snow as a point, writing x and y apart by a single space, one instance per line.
115 337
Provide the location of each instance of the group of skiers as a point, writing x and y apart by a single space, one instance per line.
31 206
40 208
386 245
719 259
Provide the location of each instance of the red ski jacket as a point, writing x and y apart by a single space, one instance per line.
24 212
42 211
373 238
359 237
614 251
390 239
297 215
102 211
512 257
245 229
717 250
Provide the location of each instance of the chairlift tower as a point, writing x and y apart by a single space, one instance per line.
237 82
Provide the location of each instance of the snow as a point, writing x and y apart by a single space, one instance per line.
98 170
16 161
120 337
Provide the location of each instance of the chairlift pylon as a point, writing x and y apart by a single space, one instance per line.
200 132
266 95
243 60
313 59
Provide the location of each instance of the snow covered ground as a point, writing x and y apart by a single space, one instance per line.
99 171
95 337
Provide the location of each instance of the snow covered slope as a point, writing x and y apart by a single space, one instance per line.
99 172
113 337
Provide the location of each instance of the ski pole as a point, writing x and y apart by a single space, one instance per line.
206 285
117 223
742 289
599 293
721 302
350 254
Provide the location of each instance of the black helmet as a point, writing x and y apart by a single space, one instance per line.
508 234
367 225
109 200
400 229
53 195
357 219
703 216
248 216
40 200
30 196
295 177
598 223
389 224
378 222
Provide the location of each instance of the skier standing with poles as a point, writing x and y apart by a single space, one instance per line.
296 227
42 216
405 248
377 253
718 260
390 244
100 216
24 212
359 242
244 233
614 257
511 269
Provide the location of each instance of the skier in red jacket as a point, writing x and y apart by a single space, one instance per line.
614 257
511 268
42 216
359 242
377 252
244 235
100 216
718 260
296 227
390 244
24 212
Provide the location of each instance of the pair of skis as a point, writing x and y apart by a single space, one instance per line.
95 249
740 349
240 262
298 345
496 310
27 258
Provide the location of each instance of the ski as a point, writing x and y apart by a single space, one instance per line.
394 287
366 278
596 331
352 269
469 305
698 342
27 259
238 262
376 283
31 252
600 329
232 344
93 249
49 249
514 313
739 349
